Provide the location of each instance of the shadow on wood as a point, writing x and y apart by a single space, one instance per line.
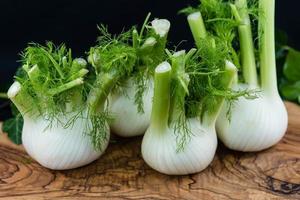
122 174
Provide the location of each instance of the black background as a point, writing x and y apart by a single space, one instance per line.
74 23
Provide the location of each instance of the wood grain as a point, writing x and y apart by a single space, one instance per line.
122 174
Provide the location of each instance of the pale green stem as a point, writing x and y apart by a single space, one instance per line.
197 27
210 116
55 64
160 45
135 39
235 13
267 46
240 11
76 100
148 45
22 100
178 95
144 24
247 55
235 79
33 75
99 93
66 86
190 54
161 98
77 65
213 42
65 62
80 74
94 59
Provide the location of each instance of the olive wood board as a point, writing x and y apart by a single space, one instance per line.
121 173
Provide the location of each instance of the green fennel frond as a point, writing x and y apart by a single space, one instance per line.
182 131
150 50
52 78
113 53
188 10
207 66
107 38
98 129
141 84
232 96
181 126
220 24
205 69
179 90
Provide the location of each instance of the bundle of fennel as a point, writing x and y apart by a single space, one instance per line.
68 105
133 85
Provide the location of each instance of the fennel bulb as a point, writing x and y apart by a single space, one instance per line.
255 124
127 121
259 123
177 143
247 124
131 108
52 144
57 147
159 149
61 130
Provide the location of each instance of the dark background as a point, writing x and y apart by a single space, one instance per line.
74 23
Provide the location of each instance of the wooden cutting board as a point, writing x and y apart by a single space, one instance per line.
122 174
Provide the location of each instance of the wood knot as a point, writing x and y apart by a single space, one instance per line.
282 187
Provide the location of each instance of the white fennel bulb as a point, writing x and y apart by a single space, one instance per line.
255 124
64 127
57 147
127 121
174 143
131 108
59 144
159 149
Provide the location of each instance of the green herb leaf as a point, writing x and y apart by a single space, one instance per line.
291 68
291 91
281 38
3 95
13 127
